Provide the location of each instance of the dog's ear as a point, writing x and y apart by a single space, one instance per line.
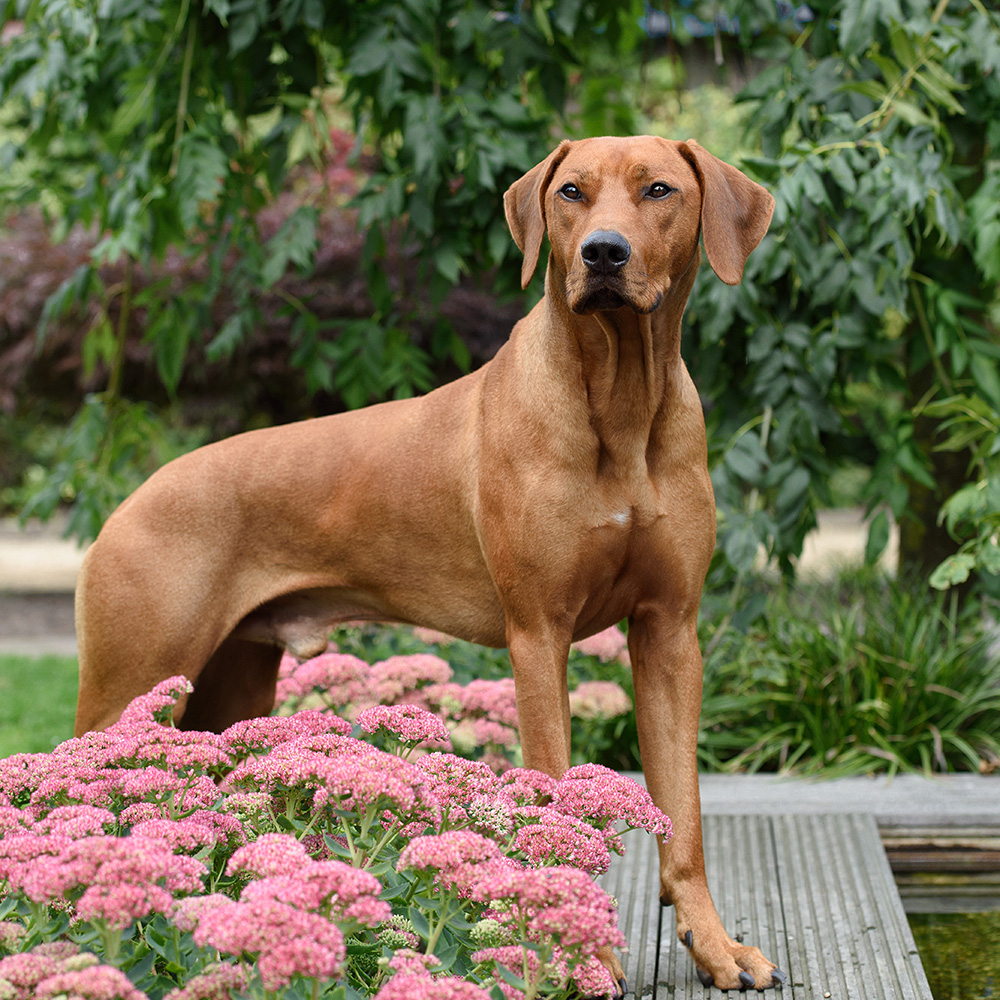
735 212
524 205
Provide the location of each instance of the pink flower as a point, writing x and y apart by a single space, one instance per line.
10 934
56 969
13 821
122 878
141 742
26 970
456 779
458 858
202 829
290 876
270 854
404 986
75 821
255 736
494 699
408 723
559 901
398 674
599 700
286 940
524 787
217 982
410 962
593 979
96 982
339 677
611 644
470 733
158 705
601 796
554 838
348 774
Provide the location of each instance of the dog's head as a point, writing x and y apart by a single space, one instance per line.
623 217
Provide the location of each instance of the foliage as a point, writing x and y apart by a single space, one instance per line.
972 515
876 288
870 675
287 857
173 125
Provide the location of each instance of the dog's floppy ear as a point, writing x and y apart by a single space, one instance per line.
735 212
524 205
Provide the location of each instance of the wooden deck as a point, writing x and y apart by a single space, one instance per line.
814 891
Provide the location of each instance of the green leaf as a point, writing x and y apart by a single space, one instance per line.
984 373
988 557
955 569
229 337
878 537
202 167
419 921
294 243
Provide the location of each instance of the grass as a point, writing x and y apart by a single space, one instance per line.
37 702
869 675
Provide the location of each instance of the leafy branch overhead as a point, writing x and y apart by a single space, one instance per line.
864 333
876 291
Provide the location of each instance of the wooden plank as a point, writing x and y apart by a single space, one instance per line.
814 892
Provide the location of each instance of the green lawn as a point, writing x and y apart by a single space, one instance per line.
37 702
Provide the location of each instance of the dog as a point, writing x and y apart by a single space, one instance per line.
557 490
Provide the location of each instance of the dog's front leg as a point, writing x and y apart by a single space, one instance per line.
543 720
667 673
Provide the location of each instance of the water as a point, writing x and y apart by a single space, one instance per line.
960 953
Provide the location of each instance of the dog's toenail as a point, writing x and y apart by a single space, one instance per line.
777 976
688 939
622 986
746 979
704 976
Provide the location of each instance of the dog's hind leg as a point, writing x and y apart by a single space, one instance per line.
237 683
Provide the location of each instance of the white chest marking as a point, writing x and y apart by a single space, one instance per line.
623 518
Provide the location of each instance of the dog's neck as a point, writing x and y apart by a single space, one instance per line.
626 363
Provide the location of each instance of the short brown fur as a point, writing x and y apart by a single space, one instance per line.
557 490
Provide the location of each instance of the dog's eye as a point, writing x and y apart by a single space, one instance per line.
658 190
571 192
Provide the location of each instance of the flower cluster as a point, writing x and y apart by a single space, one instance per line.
286 853
58 970
479 719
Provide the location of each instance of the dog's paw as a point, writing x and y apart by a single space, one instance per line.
731 966
609 960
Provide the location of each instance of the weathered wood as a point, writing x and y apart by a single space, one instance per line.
815 892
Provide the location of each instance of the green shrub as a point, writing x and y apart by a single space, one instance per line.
867 675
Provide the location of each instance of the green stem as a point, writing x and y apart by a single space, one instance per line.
439 929
377 849
925 328
125 310
182 100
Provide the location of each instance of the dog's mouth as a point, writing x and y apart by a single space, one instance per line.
608 297
599 300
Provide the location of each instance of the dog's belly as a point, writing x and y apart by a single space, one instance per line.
302 621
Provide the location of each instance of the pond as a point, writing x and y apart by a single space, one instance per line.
960 953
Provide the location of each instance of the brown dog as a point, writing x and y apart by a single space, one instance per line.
553 492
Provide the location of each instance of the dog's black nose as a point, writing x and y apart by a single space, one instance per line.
605 251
